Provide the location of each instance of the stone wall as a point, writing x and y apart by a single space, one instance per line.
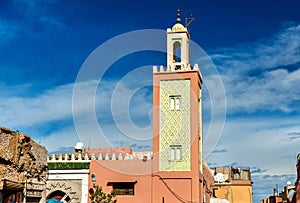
21 158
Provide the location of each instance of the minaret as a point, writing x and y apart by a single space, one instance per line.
178 44
177 116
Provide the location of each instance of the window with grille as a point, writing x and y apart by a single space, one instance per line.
124 188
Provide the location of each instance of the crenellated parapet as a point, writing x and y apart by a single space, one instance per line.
175 68
85 157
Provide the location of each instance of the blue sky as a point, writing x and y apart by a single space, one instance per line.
255 46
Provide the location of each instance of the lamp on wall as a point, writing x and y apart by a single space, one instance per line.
93 177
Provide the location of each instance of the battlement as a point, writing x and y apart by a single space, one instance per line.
176 68
85 157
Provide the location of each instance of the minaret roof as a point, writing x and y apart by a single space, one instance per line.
178 27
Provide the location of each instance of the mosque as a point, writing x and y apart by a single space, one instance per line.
175 170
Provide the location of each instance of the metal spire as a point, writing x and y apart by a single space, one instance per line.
178 20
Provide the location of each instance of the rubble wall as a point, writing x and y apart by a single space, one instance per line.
21 157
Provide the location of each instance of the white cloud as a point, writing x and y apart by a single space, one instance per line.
55 105
281 49
261 80
115 115
264 75
54 141
260 143
263 184
275 90
23 111
264 144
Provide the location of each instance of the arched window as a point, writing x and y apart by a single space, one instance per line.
175 152
177 52
172 103
177 103
178 153
172 154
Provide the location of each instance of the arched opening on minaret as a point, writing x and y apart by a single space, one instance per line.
177 51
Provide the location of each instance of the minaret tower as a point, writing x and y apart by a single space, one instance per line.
178 46
177 120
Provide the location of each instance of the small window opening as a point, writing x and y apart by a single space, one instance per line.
175 152
175 102
177 52
124 188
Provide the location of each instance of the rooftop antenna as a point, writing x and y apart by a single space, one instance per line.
189 20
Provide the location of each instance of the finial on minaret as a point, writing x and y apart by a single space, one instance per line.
178 16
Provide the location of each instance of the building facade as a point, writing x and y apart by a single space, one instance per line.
69 174
233 184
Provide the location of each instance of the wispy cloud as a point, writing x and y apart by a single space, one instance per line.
293 133
254 141
263 184
255 170
33 15
219 151
268 93
262 76
42 10
63 150
290 137
55 105
140 147
281 49
261 80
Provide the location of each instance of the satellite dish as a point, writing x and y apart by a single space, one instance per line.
220 178
79 146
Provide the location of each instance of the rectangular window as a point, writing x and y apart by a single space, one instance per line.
175 152
175 102
124 188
